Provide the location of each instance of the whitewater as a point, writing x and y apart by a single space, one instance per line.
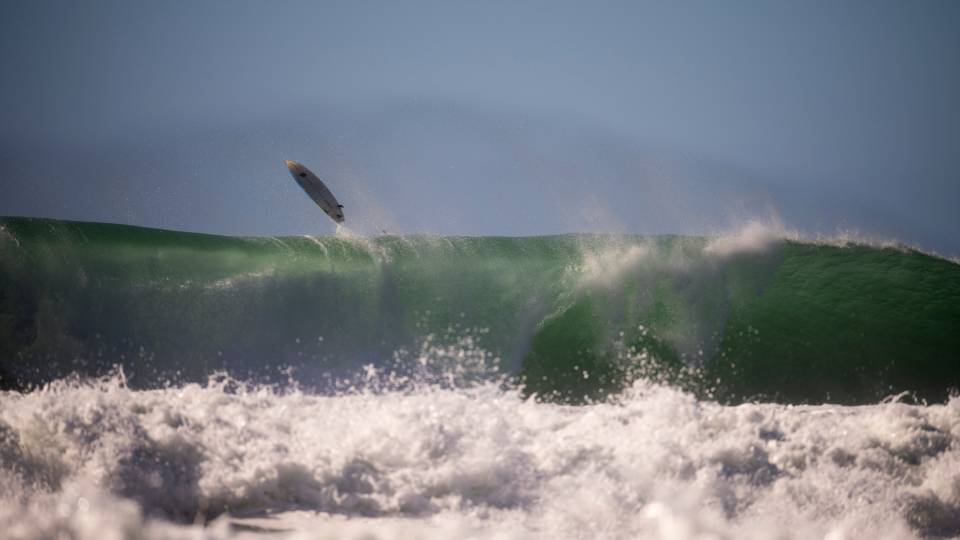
168 385
223 460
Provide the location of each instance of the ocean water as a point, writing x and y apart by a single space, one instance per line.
171 385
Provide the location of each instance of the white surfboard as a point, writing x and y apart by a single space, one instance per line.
317 190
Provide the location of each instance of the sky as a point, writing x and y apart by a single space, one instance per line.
478 118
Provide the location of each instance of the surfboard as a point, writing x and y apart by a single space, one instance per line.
317 190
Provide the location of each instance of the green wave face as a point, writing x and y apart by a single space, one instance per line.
572 318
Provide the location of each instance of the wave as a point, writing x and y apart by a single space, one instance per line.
570 318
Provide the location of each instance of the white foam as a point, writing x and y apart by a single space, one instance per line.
480 462
754 237
605 267
759 235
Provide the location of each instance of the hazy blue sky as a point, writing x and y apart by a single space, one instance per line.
486 117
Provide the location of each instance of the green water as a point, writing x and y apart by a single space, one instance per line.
571 317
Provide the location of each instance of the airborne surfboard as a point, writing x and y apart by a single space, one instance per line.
317 190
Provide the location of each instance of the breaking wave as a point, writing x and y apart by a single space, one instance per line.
750 316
